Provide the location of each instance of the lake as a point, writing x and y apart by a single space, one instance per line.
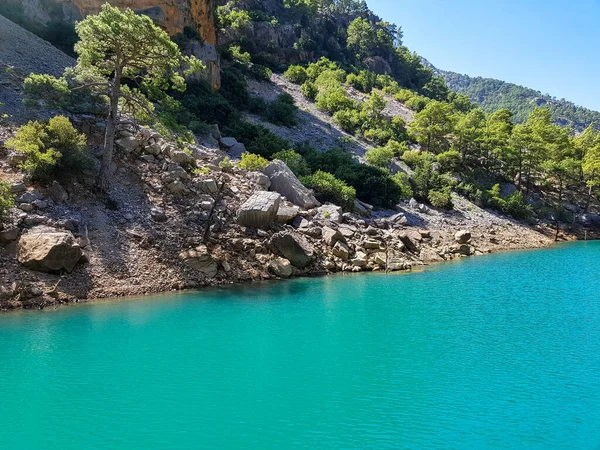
500 351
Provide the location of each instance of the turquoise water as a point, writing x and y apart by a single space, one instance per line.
501 351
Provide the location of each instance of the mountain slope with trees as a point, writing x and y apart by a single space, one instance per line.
492 94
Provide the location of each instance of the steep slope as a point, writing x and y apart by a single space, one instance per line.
492 94
22 53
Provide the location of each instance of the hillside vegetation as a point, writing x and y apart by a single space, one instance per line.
491 94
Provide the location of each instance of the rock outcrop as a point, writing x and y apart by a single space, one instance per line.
293 247
48 250
287 184
260 210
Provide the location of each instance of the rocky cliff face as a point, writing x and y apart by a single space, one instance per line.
172 15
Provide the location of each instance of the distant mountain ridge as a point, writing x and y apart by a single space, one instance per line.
492 94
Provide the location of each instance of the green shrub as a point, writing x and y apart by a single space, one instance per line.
309 90
328 188
228 16
260 72
402 180
372 184
398 148
7 200
282 111
207 105
334 99
441 198
516 206
315 69
296 74
350 120
379 136
449 160
253 162
425 178
417 103
364 81
226 165
52 149
380 157
234 87
239 56
256 138
257 105
415 157
294 161
329 161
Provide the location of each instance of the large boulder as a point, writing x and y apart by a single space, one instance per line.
331 236
462 236
200 259
46 249
260 210
287 184
281 267
293 247
330 212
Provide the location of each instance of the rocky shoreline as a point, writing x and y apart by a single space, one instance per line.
170 227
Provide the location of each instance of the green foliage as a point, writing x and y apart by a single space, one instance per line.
282 111
372 184
229 16
402 180
52 149
350 120
414 157
294 161
7 200
328 188
253 162
206 105
492 95
186 37
256 138
334 99
296 74
432 126
417 103
380 157
441 198
226 165
234 87
239 56
310 90
449 161
436 89
364 81
260 72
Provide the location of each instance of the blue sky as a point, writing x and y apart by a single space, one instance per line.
552 46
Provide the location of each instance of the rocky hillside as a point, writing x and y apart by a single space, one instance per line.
170 227
22 53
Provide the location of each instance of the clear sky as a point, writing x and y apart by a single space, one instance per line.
549 45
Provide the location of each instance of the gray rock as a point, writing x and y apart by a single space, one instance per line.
181 157
207 186
331 236
293 247
8 234
200 259
158 214
359 260
507 189
260 210
34 219
17 188
148 159
48 250
341 250
40 204
286 214
300 222
228 142
58 193
176 187
153 149
128 144
330 212
462 236
29 197
287 184
27 207
413 203
358 208
281 267
260 179
236 151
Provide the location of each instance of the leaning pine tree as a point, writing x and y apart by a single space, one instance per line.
123 57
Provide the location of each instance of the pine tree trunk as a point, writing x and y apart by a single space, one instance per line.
109 137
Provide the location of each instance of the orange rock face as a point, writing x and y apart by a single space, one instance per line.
172 15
